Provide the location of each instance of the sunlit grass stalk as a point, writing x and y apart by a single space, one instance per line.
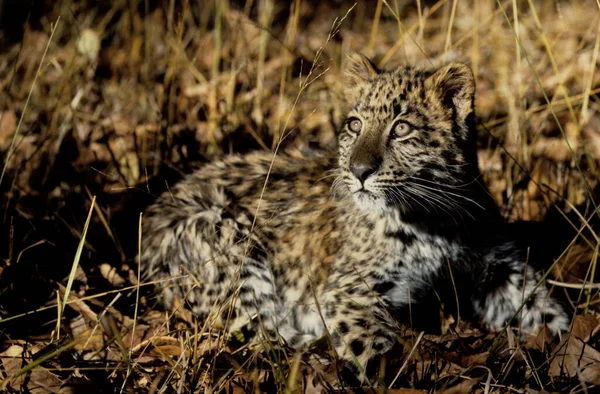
293 374
405 364
37 74
449 31
555 105
403 32
90 297
517 48
266 12
286 53
421 20
592 276
584 108
523 147
56 335
76 259
561 88
215 73
374 27
475 51
137 302
590 79
407 33
557 121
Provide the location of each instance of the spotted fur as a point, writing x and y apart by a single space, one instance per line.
340 244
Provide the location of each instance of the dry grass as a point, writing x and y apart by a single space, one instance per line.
128 96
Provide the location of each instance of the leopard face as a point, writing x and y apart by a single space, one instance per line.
407 142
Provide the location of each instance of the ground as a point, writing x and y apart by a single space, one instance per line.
105 105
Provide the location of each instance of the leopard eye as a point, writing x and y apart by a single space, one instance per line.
355 125
401 130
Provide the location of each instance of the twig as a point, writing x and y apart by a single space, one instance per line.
407 359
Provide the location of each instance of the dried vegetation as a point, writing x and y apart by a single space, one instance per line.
118 99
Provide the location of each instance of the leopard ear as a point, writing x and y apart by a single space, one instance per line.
358 70
456 86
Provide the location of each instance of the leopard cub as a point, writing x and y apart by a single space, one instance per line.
272 244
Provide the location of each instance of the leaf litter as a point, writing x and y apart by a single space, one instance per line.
129 99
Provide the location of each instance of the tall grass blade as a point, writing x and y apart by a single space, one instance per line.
16 133
77 257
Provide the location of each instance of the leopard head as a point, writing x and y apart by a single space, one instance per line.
408 141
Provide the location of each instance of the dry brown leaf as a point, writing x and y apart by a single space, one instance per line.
78 325
10 356
464 387
584 326
8 125
467 360
91 340
37 381
580 360
450 369
156 319
182 312
133 338
79 306
540 340
156 341
80 275
162 346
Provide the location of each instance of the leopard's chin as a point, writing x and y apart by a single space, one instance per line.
369 202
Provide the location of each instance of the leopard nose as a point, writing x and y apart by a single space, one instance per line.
363 170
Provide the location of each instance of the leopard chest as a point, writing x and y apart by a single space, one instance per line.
420 260
395 262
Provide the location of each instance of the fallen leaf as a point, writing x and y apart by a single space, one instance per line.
37 381
580 360
540 340
585 326
464 387
467 360
8 125
80 306
91 340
